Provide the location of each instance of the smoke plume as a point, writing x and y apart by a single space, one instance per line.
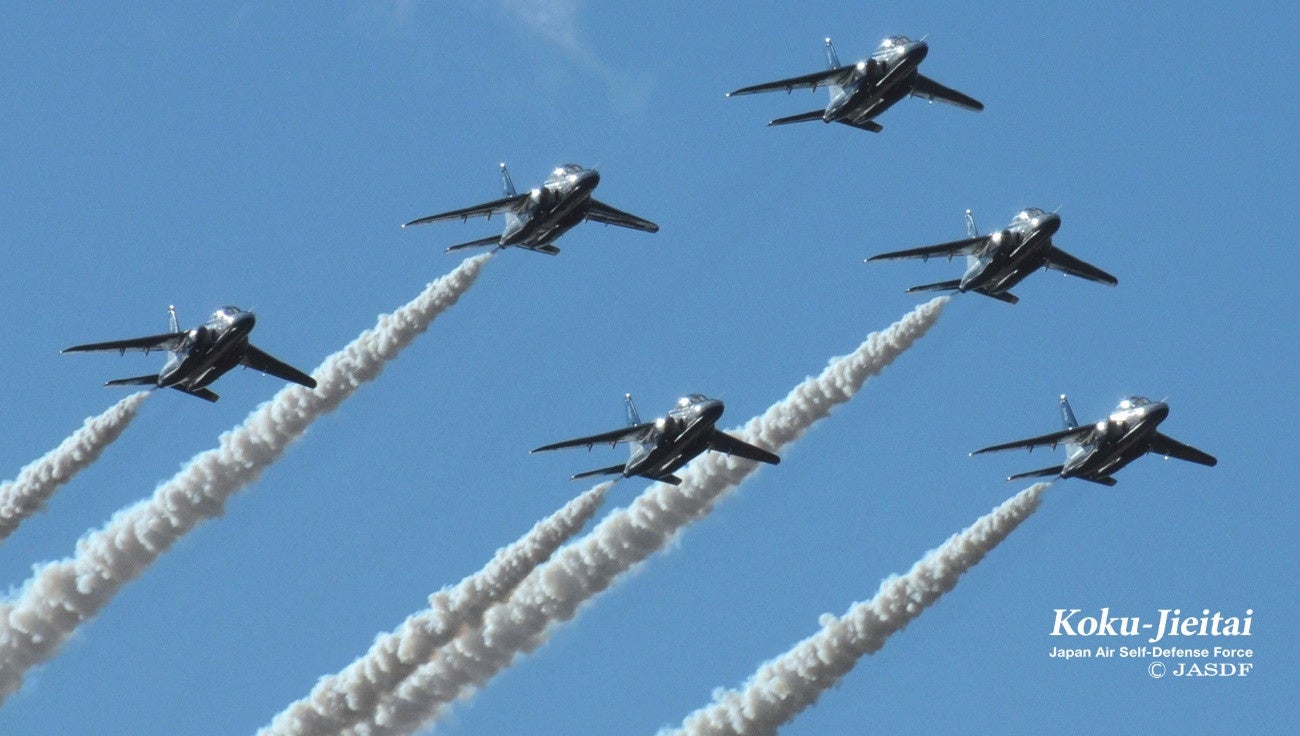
553 593
27 494
785 686
63 594
341 700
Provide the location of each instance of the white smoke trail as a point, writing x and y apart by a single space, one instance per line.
553 593
339 701
63 594
27 494
785 686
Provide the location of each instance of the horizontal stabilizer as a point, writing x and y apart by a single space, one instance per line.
1104 480
490 240
611 470
548 249
940 286
199 393
867 125
670 479
804 117
149 380
1002 296
1041 473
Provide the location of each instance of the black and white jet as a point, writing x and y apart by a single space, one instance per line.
861 91
201 355
536 218
998 261
660 447
1094 452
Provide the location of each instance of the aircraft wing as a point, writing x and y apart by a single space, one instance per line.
260 361
839 75
1066 263
723 442
168 341
487 209
626 434
963 247
1170 447
601 212
1053 439
928 89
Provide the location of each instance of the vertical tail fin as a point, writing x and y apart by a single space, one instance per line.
172 325
972 231
507 186
632 417
832 58
832 62
1067 415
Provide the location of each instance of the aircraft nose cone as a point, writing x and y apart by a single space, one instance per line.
245 321
712 409
589 179
1158 411
1049 223
917 51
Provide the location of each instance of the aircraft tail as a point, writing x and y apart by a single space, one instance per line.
149 380
490 240
971 230
802 117
172 324
939 286
507 186
633 418
611 470
832 62
1040 473
1067 414
1067 419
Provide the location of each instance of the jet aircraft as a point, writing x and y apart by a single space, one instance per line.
536 218
1000 260
662 446
200 355
1094 452
861 91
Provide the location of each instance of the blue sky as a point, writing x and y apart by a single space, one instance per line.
263 157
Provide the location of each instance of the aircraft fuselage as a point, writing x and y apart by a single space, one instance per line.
684 435
879 81
556 207
209 351
1118 440
1012 253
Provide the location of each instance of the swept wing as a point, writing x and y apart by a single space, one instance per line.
260 361
1066 263
626 434
964 247
1055 438
1170 447
839 75
168 341
601 212
723 442
931 90
487 209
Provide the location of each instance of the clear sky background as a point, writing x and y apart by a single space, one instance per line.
264 156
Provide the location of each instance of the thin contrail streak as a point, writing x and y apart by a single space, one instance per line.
63 594
27 494
785 686
553 593
341 700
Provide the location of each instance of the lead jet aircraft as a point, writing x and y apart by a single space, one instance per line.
998 261
1096 451
199 356
861 91
662 446
536 218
